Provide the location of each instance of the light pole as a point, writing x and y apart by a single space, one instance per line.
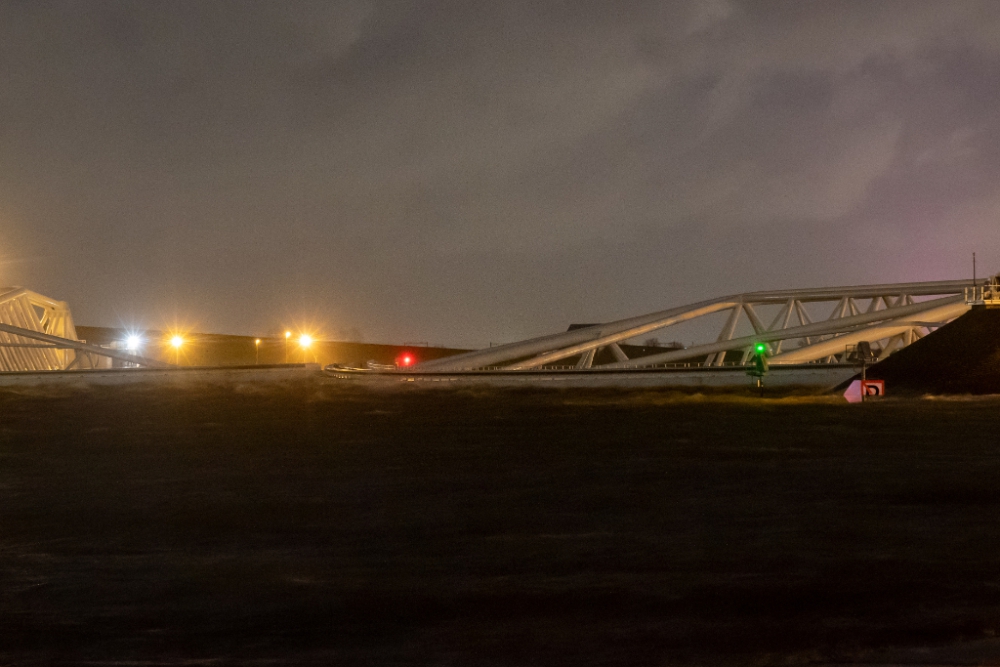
256 350
288 334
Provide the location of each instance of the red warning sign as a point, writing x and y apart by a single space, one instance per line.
859 391
873 387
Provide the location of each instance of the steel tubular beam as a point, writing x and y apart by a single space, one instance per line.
887 302
618 337
887 329
618 353
65 343
577 341
937 307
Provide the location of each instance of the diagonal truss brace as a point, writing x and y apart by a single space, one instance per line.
891 312
57 342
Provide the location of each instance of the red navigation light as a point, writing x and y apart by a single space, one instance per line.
405 359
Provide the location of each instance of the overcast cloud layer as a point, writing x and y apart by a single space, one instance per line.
460 173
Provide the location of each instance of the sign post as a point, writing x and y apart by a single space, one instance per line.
760 365
865 356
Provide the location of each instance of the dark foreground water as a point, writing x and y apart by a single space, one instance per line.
311 524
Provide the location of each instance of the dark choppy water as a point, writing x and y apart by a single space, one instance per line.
314 524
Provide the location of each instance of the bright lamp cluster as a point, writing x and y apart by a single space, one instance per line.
175 341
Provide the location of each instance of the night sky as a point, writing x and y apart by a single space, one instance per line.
466 172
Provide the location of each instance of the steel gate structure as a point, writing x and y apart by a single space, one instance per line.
889 316
37 334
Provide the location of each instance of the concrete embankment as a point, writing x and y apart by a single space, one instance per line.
799 377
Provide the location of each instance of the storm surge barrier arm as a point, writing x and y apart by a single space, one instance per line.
81 348
886 313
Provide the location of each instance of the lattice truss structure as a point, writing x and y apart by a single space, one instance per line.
889 317
37 334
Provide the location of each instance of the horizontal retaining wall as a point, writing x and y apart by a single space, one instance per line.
802 375
177 376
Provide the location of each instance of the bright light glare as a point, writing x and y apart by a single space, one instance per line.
288 334
133 343
305 340
257 342
176 341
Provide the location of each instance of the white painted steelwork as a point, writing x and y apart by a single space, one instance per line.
889 316
985 295
29 310
37 334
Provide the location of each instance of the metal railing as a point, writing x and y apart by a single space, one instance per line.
983 294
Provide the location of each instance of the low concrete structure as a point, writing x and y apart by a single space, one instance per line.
811 376
161 376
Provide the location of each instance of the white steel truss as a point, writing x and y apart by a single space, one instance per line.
37 334
889 317
31 311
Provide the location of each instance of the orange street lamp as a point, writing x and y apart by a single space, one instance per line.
288 334
305 340
256 349
176 342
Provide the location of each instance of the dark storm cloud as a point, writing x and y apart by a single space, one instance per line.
465 172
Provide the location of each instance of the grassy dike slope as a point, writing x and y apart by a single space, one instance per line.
962 357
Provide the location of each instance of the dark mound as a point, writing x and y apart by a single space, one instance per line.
962 357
